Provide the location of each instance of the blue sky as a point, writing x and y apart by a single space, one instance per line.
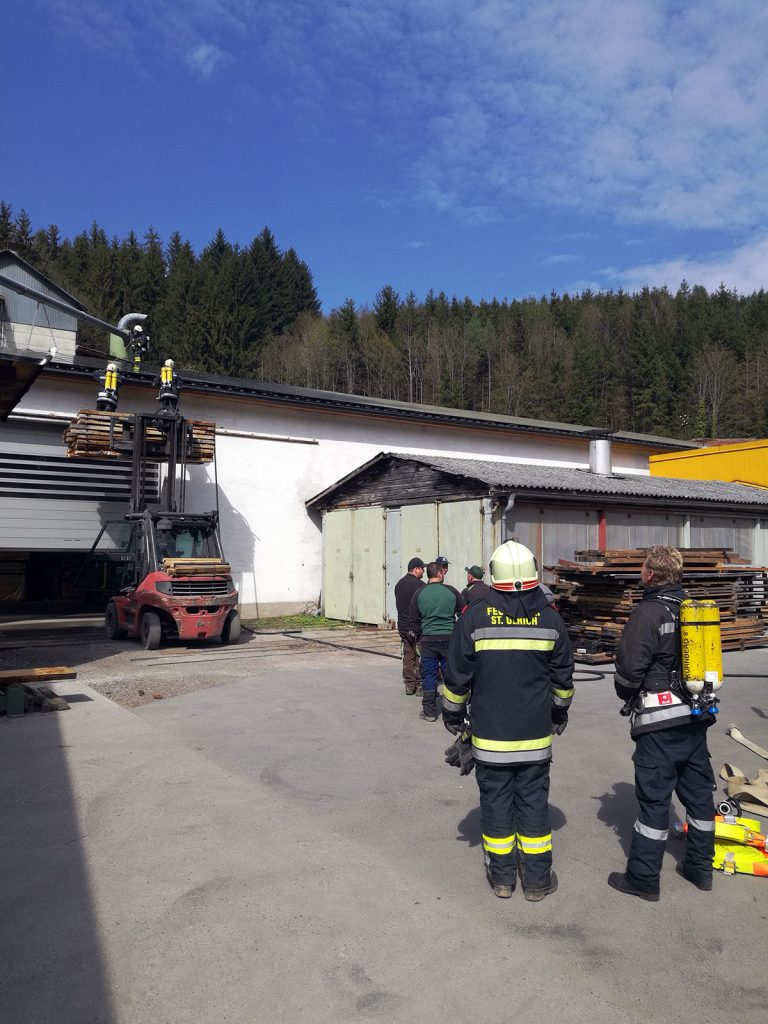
486 148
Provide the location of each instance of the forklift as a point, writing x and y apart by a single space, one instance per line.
162 569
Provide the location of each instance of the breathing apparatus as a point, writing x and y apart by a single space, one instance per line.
701 654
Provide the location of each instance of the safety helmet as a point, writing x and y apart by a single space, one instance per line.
513 567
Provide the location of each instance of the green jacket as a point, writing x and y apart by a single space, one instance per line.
434 609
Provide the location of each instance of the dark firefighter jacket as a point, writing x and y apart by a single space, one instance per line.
648 662
511 657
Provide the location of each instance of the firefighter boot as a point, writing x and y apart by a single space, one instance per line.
535 895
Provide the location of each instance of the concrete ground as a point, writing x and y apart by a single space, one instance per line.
288 845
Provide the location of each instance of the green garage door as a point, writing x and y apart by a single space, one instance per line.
353 565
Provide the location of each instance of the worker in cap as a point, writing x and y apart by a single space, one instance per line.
405 589
510 656
476 589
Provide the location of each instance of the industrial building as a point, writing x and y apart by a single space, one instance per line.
282 453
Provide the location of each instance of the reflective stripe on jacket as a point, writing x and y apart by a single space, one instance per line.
511 656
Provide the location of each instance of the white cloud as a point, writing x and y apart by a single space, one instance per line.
204 59
745 270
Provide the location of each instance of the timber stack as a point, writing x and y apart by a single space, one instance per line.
599 590
95 435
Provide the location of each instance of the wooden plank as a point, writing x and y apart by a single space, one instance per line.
33 675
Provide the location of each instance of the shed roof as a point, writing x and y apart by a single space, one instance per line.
558 483
17 269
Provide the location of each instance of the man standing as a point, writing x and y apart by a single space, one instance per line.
433 612
404 591
475 589
511 658
670 744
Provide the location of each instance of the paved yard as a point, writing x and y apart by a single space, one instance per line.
287 845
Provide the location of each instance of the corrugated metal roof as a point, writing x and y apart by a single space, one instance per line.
286 394
523 478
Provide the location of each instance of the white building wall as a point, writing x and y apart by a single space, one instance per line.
272 458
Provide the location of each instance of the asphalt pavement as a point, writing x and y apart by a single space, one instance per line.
289 846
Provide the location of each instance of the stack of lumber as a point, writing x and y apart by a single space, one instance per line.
599 590
196 567
93 434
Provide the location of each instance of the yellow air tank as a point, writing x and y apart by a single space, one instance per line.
702 656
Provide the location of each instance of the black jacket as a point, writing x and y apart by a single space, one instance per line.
404 591
476 591
511 657
648 662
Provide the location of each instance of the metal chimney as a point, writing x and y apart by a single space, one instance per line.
600 453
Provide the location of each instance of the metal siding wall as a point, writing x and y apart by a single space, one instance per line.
49 502
554 533
641 529
24 310
418 532
337 564
368 585
460 537
724 532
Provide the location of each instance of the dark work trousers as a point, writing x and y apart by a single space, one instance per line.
434 657
411 674
672 760
514 816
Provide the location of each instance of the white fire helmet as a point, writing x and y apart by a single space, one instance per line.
513 567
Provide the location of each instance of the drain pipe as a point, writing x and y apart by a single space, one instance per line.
507 509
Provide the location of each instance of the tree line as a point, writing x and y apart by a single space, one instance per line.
692 364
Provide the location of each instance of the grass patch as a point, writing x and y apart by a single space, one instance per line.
282 622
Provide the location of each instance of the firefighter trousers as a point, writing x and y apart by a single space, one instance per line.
514 816
666 761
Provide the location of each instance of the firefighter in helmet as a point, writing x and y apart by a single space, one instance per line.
169 387
671 753
510 657
109 381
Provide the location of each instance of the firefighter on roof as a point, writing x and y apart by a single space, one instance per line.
670 744
510 657
109 381
170 386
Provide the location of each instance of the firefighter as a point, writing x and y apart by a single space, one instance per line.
670 745
109 380
170 386
510 657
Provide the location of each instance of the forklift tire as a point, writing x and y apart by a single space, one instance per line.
111 628
151 631
230 631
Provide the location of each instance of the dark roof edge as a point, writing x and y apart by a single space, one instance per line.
289 395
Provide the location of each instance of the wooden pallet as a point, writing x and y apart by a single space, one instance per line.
93 434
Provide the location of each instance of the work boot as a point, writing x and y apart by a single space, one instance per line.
502 891
701 879
534 895
618 880
410 689
429 706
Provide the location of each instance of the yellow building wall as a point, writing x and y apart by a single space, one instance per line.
743 463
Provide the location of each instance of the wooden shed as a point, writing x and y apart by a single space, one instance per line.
397 506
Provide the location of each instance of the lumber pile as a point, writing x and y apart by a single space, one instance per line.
94 434
23 689
599 590
196 567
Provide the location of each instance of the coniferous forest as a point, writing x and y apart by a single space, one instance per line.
689 364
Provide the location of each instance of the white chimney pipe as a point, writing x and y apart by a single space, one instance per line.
600 456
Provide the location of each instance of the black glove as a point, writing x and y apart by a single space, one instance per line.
459 755
625 692
453 721
559 720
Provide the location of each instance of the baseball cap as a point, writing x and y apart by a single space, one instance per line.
415 563
475 570
442 560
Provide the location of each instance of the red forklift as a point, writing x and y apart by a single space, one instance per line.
162 569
